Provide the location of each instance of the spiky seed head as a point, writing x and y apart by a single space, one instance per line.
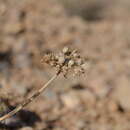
61 59
71 63
66 61
65 50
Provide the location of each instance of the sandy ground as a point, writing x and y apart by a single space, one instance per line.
100 100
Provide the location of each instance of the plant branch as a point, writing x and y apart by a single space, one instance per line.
28 100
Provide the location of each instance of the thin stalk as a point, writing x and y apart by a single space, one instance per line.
28 100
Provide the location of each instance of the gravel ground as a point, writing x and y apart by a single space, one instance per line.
100 30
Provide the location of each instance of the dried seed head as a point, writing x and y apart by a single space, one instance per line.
71 63
65 50
79 61
66 61
75 55
61 59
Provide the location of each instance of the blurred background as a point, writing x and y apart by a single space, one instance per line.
100 30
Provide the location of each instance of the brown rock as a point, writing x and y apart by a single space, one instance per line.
70 100
122 93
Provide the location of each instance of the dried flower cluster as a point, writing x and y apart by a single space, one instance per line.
66 61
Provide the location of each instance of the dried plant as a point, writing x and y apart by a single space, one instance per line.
65 62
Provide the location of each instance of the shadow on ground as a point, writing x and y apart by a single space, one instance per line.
24 118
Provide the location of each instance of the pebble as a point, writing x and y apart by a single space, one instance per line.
122 93
70 100
26 128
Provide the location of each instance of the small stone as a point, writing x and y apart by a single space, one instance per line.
14 28
70 100
112 107
2 9
84 66
122 93
79 62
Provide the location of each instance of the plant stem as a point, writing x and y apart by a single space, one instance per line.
28 100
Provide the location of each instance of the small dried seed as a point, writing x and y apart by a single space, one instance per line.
61 59
70 63
75 55
79 61
65 50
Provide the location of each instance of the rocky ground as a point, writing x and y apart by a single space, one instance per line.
99 30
